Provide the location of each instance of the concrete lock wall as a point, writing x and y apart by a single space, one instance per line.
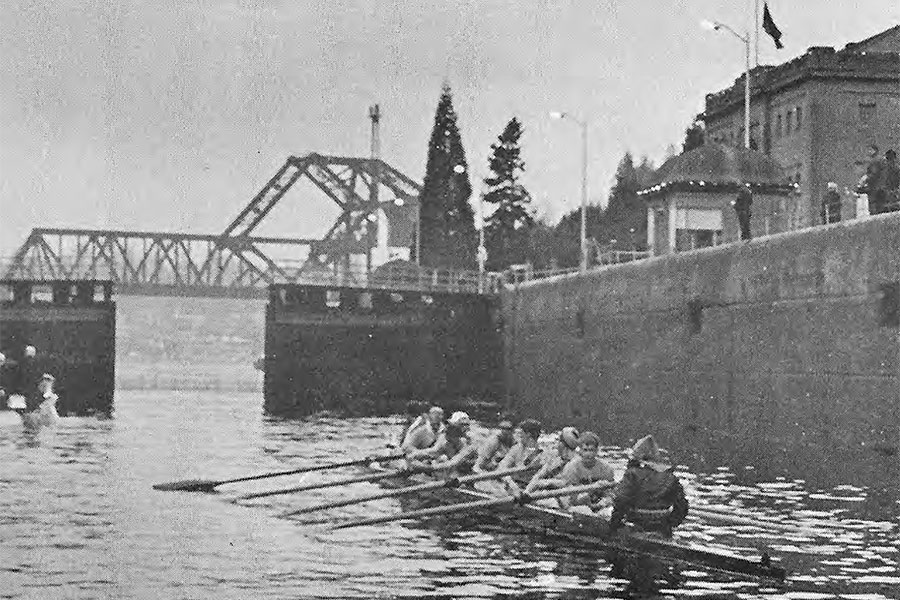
771 350
364 352
72 326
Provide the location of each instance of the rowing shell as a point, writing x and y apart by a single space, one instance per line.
594 529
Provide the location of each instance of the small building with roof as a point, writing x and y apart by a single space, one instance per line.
690 203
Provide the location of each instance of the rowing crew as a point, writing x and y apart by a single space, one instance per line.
648 495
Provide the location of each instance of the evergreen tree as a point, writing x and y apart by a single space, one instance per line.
694 136
626 213
447 219
507 229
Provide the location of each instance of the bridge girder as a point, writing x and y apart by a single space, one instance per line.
235 262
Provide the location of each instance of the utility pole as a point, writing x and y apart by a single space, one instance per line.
375 154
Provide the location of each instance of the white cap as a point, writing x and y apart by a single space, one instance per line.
30 351
459 418
2 358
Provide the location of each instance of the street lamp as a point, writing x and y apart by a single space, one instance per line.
584 159
482 249
716 26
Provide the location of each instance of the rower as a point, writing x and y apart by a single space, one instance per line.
496 447
45 413
424 431
584 469
649 494
453 451
553 462
524 453
413 412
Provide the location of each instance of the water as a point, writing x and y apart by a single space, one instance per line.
78 519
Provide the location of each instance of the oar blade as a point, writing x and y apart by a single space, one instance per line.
187 485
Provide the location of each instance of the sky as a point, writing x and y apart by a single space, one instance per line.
171 115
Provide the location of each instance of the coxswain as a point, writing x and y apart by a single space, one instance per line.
424 431
453 452
584 469
496 447
649 495
524 453
552 462
45 413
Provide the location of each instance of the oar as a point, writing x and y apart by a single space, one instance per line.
333 483
757 522
475 504
422 487
207 485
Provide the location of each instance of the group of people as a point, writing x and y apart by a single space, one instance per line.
27 391
648 495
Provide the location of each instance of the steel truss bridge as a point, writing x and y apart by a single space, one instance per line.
235 262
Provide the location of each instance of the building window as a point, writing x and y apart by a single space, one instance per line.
778 125
866 113
799 117
787 122
691 239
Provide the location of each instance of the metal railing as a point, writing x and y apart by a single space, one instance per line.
399 278
614 257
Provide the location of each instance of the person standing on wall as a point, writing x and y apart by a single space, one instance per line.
742 205
870 184
891 182
831 204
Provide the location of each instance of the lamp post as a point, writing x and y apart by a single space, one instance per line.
716 26
482 250
584 134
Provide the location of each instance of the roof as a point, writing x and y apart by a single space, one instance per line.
876 58
886 41
718 167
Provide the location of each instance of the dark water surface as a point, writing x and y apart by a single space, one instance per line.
78 519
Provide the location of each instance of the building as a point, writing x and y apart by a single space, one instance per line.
817 116
689 205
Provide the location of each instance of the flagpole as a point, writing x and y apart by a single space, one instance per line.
756 30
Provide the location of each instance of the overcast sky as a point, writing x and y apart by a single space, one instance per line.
170 115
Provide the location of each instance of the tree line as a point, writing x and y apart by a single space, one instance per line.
513 234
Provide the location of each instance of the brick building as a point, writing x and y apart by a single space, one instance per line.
817 116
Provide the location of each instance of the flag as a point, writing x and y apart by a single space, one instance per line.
770 27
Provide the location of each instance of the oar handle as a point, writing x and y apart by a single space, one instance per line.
454 508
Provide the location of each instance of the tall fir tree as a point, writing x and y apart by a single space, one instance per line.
694 136
447 220
626 213
507 228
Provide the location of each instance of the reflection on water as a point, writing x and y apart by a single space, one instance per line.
78 519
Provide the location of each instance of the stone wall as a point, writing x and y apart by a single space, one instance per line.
372 352
782 347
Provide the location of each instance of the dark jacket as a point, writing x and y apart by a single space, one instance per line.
652 500
29 373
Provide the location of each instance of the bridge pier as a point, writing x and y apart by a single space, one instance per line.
370 351
72 325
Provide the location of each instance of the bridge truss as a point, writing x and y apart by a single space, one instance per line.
236 262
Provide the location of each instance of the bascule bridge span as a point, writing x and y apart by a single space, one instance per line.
379 210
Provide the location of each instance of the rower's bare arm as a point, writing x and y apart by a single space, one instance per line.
487 453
